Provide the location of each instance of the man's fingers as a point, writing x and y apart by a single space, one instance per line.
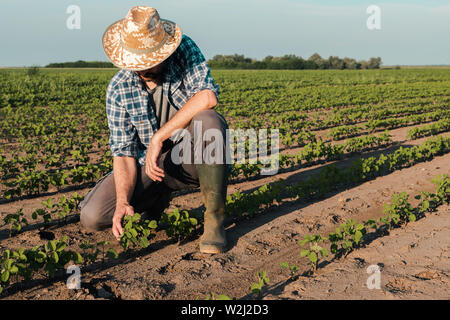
155 177
153 174
149 173
117 227
154 165
158 169
129 211
115 232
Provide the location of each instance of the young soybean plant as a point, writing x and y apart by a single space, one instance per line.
179 224
443 188
137 232
88 252
58 257
110 253
11 264
257 287
15 221
430 201
348 236
293 268
399 211
46 216
314 249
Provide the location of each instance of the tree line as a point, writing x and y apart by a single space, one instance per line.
293 62
237 61
81 64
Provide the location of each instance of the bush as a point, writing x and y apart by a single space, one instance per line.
33 71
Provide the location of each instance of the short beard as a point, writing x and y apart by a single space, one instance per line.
155 77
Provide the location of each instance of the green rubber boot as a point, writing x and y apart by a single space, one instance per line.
213 186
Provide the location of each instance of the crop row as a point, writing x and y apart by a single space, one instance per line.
50 211
181 224
273 101
34 181
350 235
315 151
294 134
331 178
292 120
442 125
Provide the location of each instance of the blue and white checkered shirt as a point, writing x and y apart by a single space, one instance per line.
131 119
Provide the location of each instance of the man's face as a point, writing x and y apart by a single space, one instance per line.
153 74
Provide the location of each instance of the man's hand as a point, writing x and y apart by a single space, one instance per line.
151 159
121 210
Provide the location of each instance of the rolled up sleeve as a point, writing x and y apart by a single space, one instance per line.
123 137
197 75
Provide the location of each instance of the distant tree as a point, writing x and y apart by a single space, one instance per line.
350 63
364 64
81 64
289 61
374 63
318 61
336 63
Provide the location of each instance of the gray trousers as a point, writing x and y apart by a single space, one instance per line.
98 206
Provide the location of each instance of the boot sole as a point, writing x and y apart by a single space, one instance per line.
211 249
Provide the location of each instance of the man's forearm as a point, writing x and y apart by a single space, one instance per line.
203 100
125 176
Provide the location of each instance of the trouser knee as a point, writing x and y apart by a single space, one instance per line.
209 128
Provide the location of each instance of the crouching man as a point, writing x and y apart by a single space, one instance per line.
163 87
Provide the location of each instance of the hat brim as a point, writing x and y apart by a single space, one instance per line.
125 59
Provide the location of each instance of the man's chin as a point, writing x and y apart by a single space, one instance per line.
155 78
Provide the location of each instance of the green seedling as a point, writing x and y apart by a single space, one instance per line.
46 216
371 223
8 268
443 188
15 221
76 199
89 252
399 211
347 237
293 268
263 280
314 251
137 232
428 202
58 257
179 224
110 253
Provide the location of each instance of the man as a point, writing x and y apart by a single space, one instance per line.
164 85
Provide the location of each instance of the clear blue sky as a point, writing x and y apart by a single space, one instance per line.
412 32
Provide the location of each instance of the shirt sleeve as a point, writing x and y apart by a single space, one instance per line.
197 75
123 136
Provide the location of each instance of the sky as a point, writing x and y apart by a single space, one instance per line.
412 32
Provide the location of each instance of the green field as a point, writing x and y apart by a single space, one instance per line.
54 133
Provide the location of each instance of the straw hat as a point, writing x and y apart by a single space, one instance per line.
142 40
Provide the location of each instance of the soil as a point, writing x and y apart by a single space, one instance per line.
413 261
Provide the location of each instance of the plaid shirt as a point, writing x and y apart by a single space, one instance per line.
131 119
